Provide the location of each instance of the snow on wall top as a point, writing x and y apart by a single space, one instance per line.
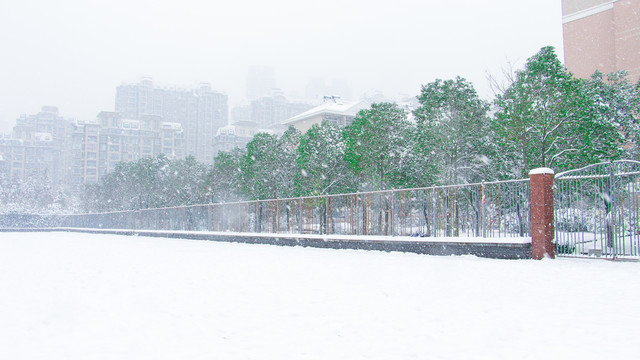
541 171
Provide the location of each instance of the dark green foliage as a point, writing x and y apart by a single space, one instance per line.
269 166
223 180
453 130
184 182
565 249
323 169
381 147
546 118
616 102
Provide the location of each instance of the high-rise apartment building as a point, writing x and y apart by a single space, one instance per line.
200 112
47 147
38 147
601 35
237 135
123 139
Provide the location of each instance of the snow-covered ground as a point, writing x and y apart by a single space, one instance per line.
77 296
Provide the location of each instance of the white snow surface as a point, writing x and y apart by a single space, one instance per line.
541 171
79 296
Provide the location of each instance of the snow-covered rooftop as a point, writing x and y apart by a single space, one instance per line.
335 106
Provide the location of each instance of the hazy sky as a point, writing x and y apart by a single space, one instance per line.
73 53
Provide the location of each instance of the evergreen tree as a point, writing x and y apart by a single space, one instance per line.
380 146
546 119
144 183
183 183
323 169
223 180
453 130
35 196
269 165
131 186
617 102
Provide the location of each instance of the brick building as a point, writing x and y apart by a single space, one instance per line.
601 35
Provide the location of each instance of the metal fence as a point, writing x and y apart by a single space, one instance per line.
596 210
494 209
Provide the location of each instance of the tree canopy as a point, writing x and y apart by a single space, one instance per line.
548 118
544 117
453 129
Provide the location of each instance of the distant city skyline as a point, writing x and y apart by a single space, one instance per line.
72 54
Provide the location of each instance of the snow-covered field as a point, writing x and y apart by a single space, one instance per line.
76 296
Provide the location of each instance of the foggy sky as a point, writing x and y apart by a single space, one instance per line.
73 53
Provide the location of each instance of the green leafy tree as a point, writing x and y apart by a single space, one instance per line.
617 102
183 183
223 180
144 183
35 195
323 169
453 130
380 146
546 119
287 166
269 165
149 182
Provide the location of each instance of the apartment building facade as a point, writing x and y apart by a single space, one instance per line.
37 147
601 35
50 148
200 112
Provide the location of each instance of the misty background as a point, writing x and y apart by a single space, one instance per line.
73 53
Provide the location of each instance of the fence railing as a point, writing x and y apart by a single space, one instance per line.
591 211
596 210
492 209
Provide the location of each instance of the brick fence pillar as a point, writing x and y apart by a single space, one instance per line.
541 182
